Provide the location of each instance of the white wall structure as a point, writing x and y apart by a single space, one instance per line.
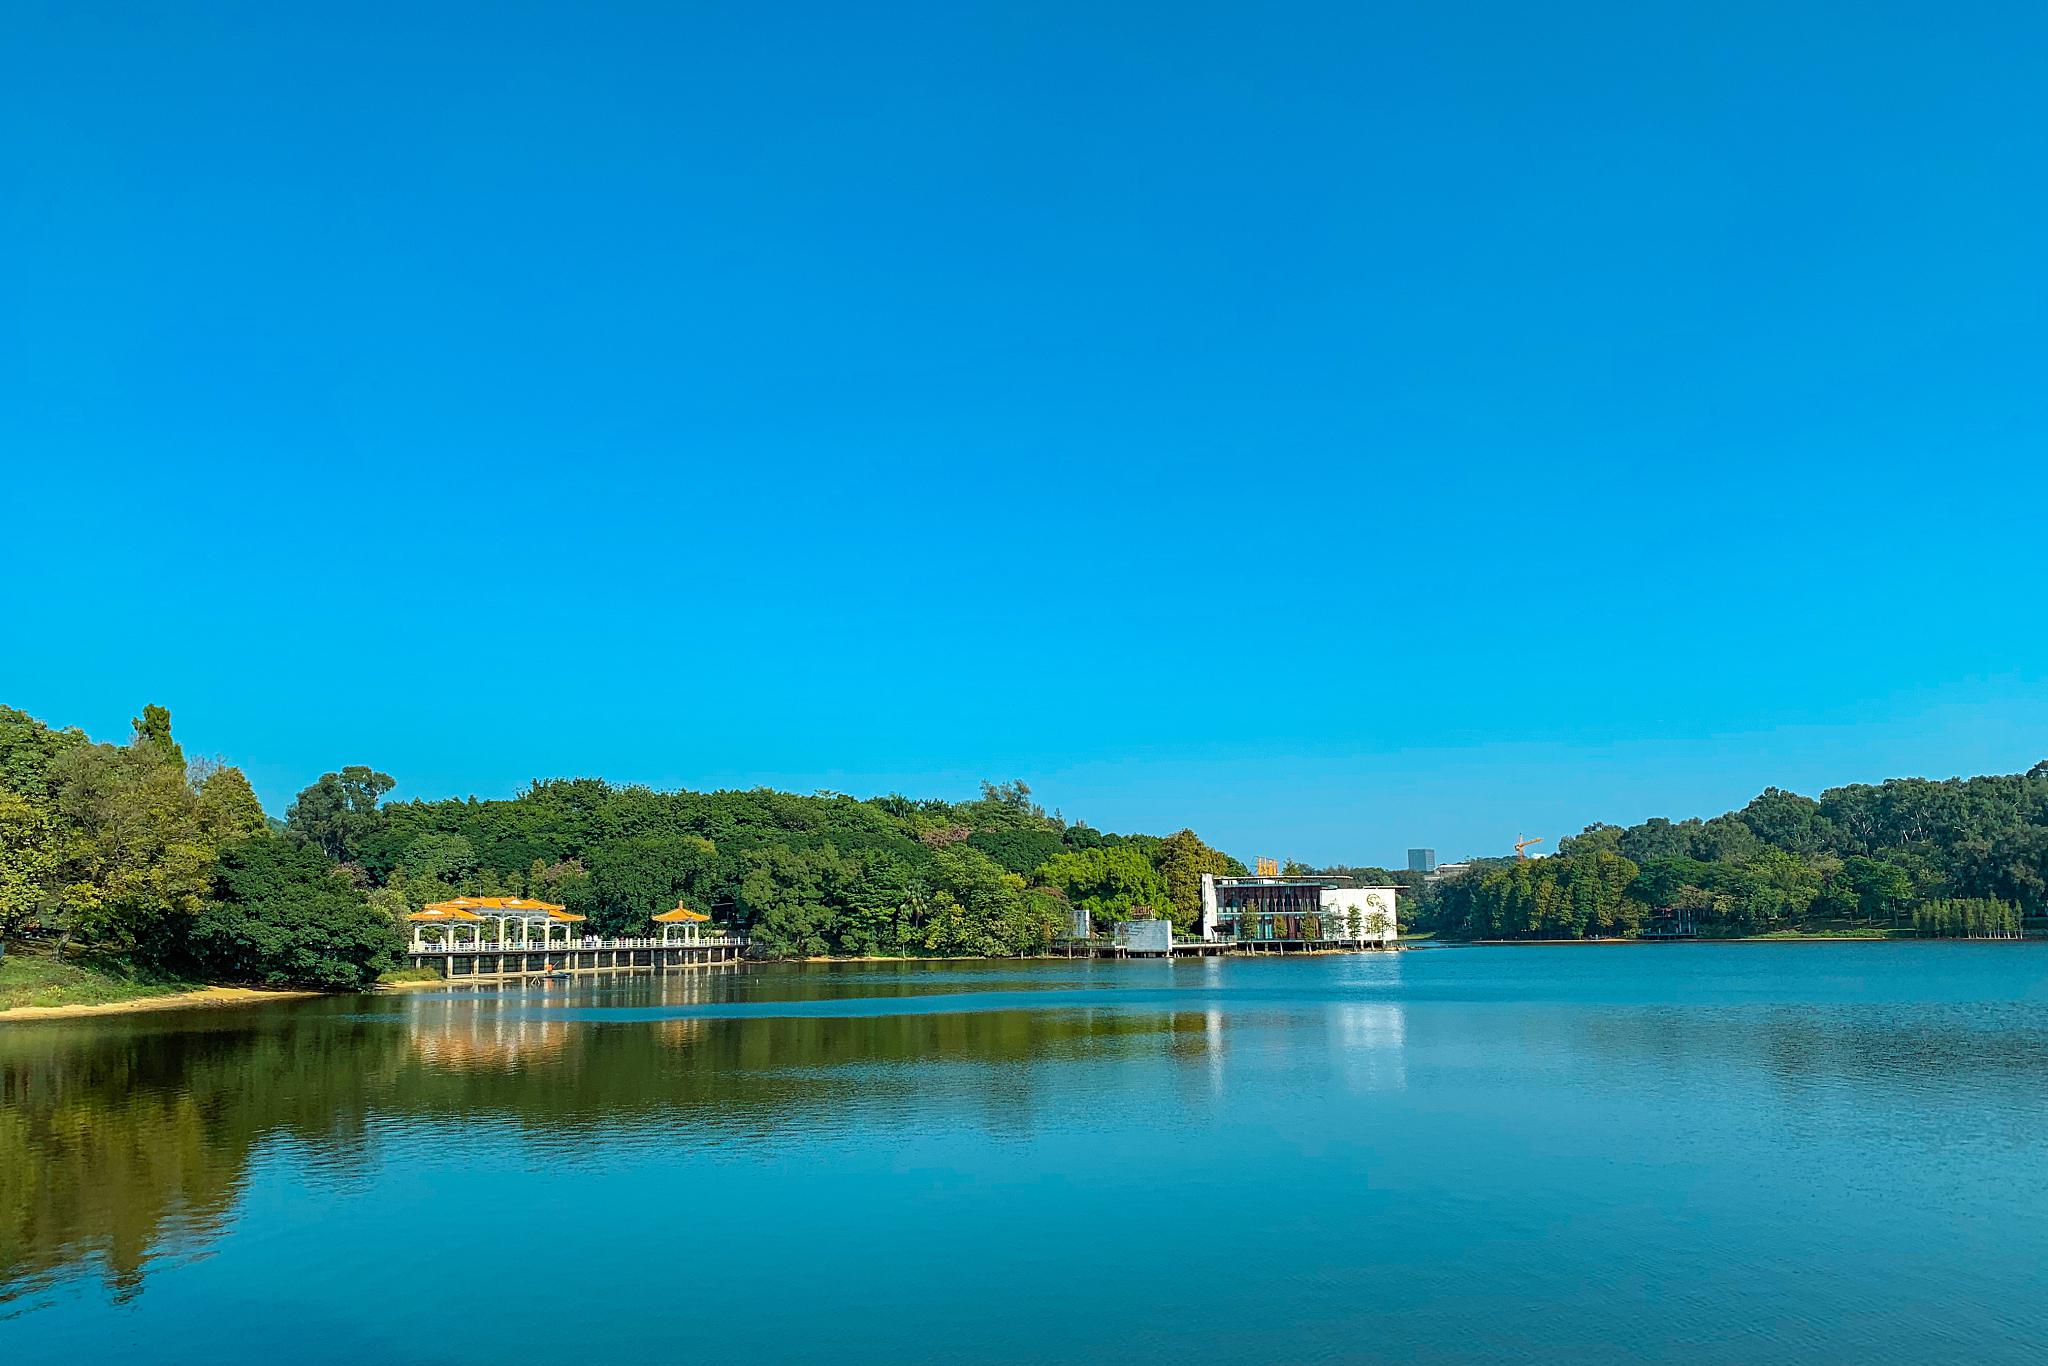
1145 936
1207 928
1375 908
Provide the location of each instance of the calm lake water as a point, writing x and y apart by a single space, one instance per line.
1740 1153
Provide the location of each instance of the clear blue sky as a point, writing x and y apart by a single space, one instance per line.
1589 411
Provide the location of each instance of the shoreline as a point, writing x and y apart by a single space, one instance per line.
380 988
217 997
1734 939
201 998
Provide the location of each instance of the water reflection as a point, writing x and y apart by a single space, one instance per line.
119 1143
126 1144
1370 1040
124 1140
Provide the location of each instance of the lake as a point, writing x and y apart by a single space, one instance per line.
1699 1153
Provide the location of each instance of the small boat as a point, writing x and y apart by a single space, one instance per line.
548 972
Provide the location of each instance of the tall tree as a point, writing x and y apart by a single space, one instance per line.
228 809
1182 858
133 851
339 812
153 730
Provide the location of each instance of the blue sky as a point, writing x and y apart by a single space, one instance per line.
1338 427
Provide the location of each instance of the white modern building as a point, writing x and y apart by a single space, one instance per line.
1297 911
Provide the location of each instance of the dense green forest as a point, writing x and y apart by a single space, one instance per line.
132 854
823 874
1965 857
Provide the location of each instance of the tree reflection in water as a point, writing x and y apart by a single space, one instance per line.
125 1141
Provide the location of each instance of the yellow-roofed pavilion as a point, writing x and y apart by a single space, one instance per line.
507 911
679 914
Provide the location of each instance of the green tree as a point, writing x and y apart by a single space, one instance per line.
27 860
1881 888
1181 859
153 733
1592 840
1772 888
1568 896
110 845
1110 882
439 857
228 809
339 812
393 904
280 915
133 850
632 879
566 883
1785 820
783 896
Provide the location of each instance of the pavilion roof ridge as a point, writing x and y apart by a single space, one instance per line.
680 914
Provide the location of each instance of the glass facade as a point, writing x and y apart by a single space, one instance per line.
1270 910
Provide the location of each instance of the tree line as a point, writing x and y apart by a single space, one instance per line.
798 875
1963 857
132 854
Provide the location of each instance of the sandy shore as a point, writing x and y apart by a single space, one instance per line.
203 996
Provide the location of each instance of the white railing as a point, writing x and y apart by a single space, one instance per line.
558 946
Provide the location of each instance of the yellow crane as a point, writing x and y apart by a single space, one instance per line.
1521 844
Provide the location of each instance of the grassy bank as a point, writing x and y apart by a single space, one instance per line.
37 985
36 979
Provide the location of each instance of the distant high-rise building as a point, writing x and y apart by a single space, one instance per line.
1422 860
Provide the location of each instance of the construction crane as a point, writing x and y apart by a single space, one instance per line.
1521 844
